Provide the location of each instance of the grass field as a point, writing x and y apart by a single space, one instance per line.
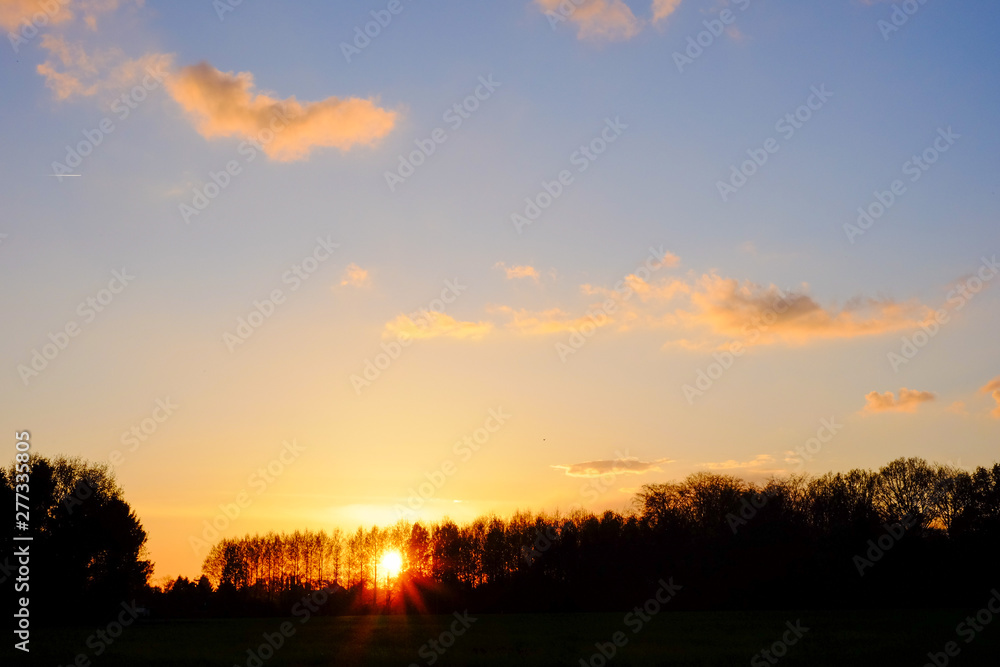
669 638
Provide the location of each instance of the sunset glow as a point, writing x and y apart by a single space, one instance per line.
391 564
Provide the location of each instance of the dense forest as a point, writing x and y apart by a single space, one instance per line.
909 534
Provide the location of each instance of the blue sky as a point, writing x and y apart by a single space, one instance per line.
617 406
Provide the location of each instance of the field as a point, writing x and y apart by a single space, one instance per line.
668 638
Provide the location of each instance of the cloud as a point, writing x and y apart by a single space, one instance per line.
908 401
15 12
628 465
224 104
762 315
670 260
707 312
664 8
599 20
958 408
435 325
993 387
43 13
544 323
71 71
355 276
732 464
514 272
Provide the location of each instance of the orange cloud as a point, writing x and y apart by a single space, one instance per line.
43 13
764 315
355 276
13 13
514 272
908 401
628 465
224 104
733 464
546 322
71 71
721 310
435 325
602 20
993 387
664 8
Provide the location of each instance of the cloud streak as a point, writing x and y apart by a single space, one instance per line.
435 325
515 272
622 466
733 464
993 388
909 400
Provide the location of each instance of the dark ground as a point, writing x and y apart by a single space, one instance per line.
883 638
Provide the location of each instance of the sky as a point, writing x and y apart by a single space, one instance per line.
319 265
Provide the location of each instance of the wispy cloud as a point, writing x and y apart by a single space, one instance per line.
704 312
993 387
14 13
515 272
602 20
605 20
629 465
732 464
71 70
909 400
958 408
355 276
435 325
664 8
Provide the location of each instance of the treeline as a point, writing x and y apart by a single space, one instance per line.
911 533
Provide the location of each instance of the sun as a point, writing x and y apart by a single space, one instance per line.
391 564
